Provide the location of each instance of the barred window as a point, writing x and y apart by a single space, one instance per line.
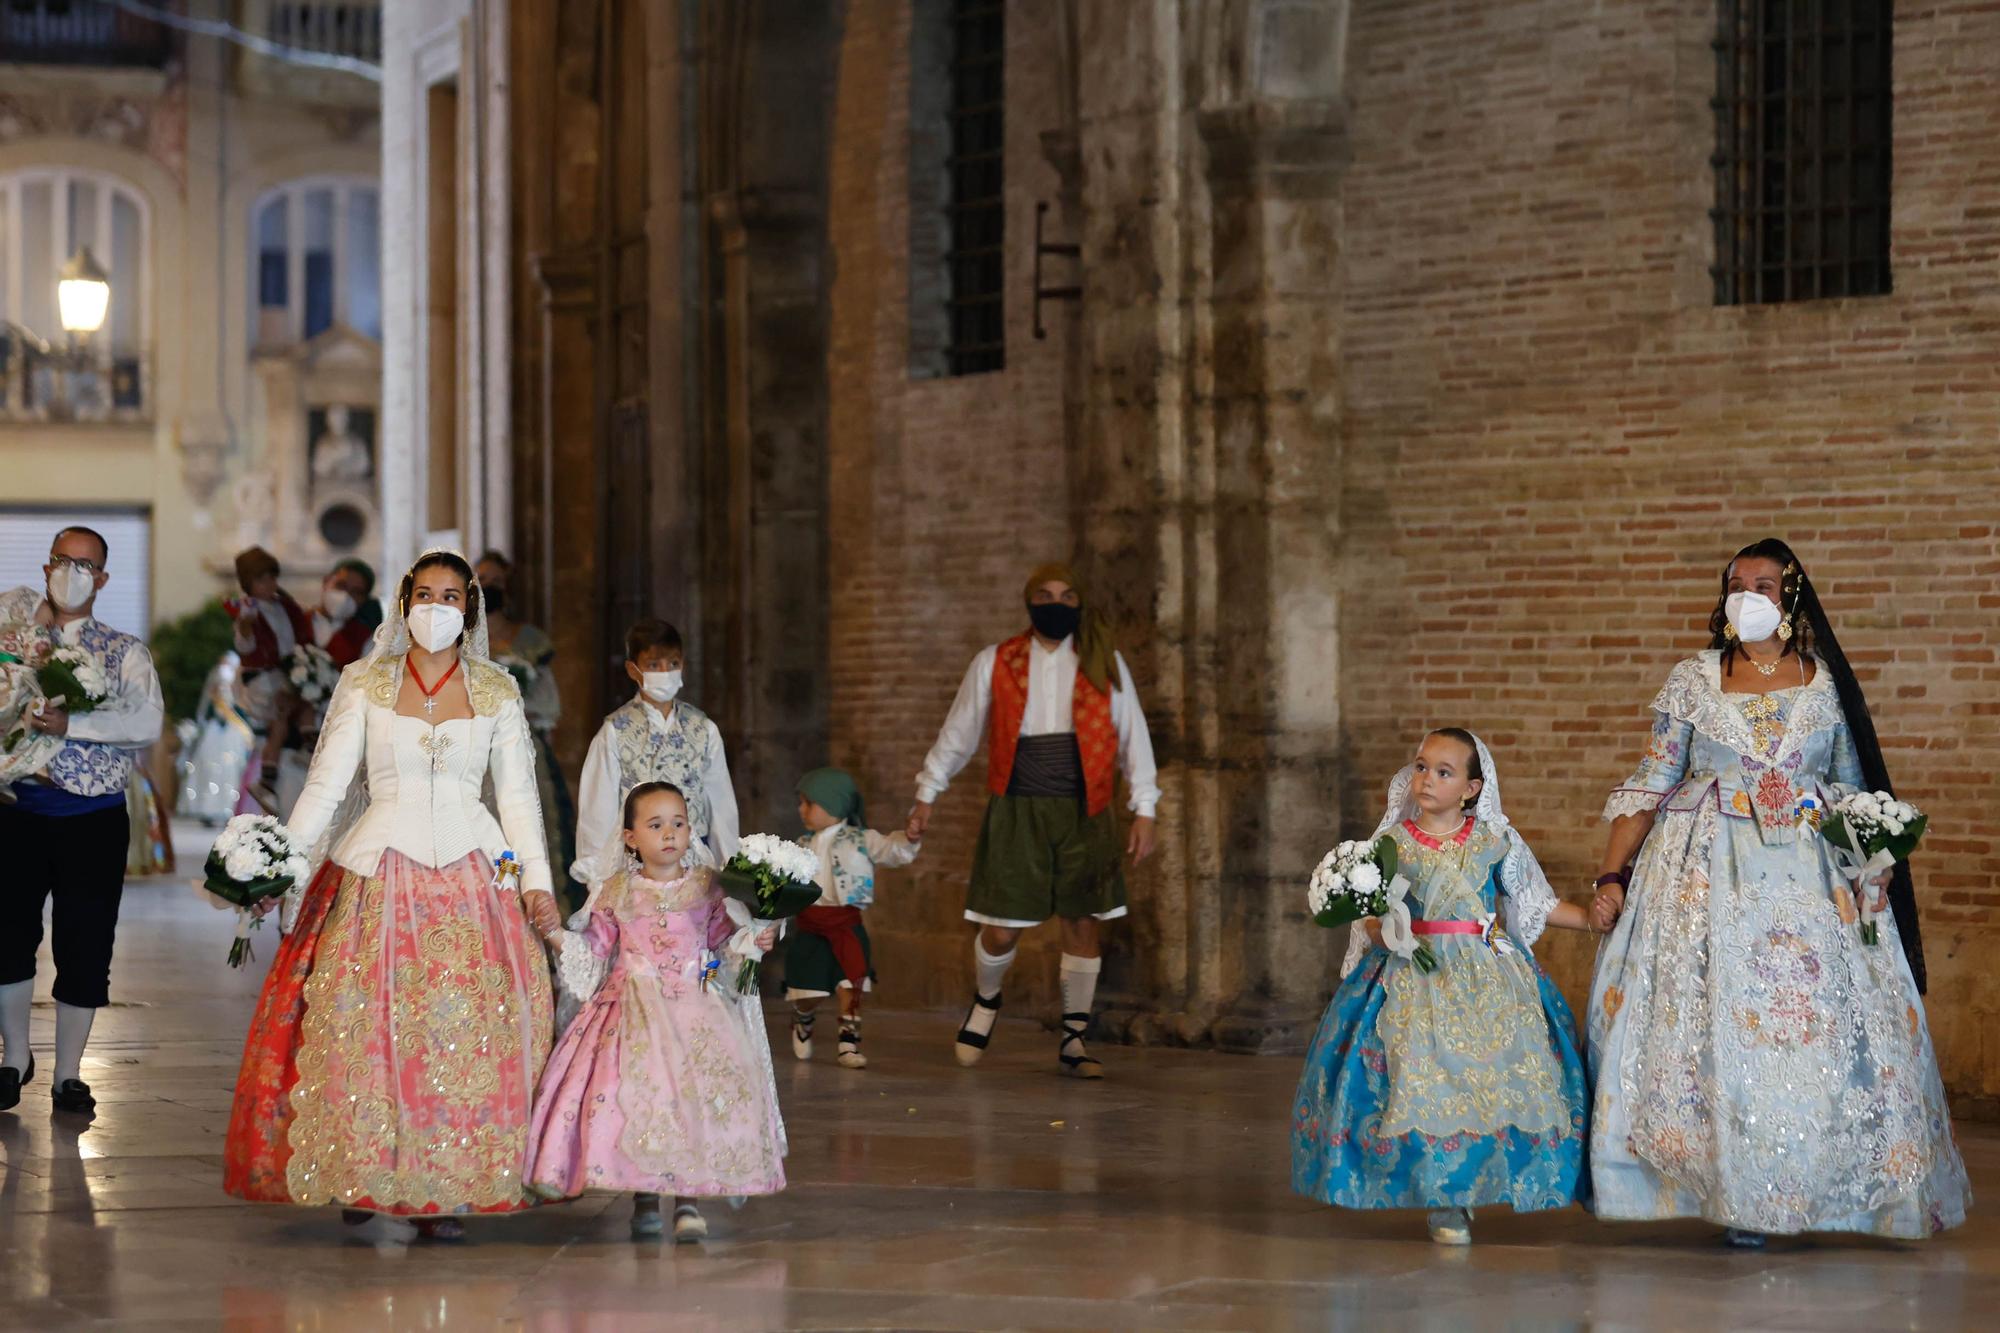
1802 118
976 206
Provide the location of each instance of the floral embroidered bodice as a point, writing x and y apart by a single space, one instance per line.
1452 879
1758 755
665 933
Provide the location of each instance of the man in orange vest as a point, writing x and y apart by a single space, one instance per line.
1059 715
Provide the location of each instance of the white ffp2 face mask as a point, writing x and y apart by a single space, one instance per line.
71 588
1754 615
338 604
435 627
662 687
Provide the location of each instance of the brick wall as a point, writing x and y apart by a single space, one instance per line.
1554 440
944 491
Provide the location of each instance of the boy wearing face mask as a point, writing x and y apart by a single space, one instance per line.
657 737
337 625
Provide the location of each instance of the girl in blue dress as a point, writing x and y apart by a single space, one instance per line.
1462 1086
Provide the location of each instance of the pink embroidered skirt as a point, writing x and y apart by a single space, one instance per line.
393 1058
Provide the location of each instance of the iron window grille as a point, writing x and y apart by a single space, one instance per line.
975 263
1802 150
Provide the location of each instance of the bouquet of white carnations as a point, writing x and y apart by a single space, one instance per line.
775 879
312 673
1359 879
1870 832
73 677
254 858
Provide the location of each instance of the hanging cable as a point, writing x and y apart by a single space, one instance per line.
250 41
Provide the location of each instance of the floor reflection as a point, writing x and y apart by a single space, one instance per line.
924 1196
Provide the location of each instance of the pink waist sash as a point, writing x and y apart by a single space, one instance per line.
1445 928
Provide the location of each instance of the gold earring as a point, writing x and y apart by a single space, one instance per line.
1729 632
1785 629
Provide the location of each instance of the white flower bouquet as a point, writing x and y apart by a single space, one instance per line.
1359 879
70 676
774 878
254 858
1870 832
312 673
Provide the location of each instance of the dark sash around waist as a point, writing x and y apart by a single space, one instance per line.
1049 765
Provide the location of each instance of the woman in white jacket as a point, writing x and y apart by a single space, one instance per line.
392 1062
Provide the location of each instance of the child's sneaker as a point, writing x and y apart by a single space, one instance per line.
802 1034
850 1047
646 1220
1451 1226
689 1225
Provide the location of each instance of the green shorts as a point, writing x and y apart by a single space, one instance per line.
1042 856
812 970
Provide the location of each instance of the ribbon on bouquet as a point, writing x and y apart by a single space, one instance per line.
1397 935
744 943
1853 866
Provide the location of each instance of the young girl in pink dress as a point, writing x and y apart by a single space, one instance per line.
662 1083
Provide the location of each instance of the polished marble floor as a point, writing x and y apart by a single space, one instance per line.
923 1197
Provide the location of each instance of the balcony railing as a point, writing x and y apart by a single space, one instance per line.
80 32
41 381
331 29
351 29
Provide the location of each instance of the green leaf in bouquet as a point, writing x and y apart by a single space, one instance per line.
768 895
1902 844
1385 856
1345 912
242 893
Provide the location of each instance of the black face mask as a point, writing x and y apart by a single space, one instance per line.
495 598
1053 620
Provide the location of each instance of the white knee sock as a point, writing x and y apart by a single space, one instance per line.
72 1031
15 999
988 969
987 974
1079 983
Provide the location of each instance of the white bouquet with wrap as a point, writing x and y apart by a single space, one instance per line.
1359 879
1869 833
36 671
255 858
768 879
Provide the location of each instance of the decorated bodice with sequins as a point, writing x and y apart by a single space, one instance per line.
1778 759
1451 879
664 934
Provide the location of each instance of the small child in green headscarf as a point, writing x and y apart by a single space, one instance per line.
828 953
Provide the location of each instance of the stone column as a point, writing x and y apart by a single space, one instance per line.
1207 483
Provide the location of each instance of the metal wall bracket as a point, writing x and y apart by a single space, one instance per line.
1068 251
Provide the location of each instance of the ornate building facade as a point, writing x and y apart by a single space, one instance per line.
233 201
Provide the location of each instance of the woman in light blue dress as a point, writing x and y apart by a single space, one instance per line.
1753 1061
1460 1087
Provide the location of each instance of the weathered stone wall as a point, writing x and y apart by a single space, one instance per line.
1554 439
944 492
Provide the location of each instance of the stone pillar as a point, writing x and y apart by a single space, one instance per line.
1207 483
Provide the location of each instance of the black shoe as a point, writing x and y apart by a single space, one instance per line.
12 1081
73 1095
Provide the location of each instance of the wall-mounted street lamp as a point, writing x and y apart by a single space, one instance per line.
40 379
83 295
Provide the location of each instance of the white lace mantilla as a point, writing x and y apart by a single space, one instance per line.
1526 894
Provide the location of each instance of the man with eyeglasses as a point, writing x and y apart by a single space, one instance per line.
64 833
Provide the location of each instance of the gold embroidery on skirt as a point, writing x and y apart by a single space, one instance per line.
399 1108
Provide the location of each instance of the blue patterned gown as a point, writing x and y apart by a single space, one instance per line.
1457 1088
1753 1062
